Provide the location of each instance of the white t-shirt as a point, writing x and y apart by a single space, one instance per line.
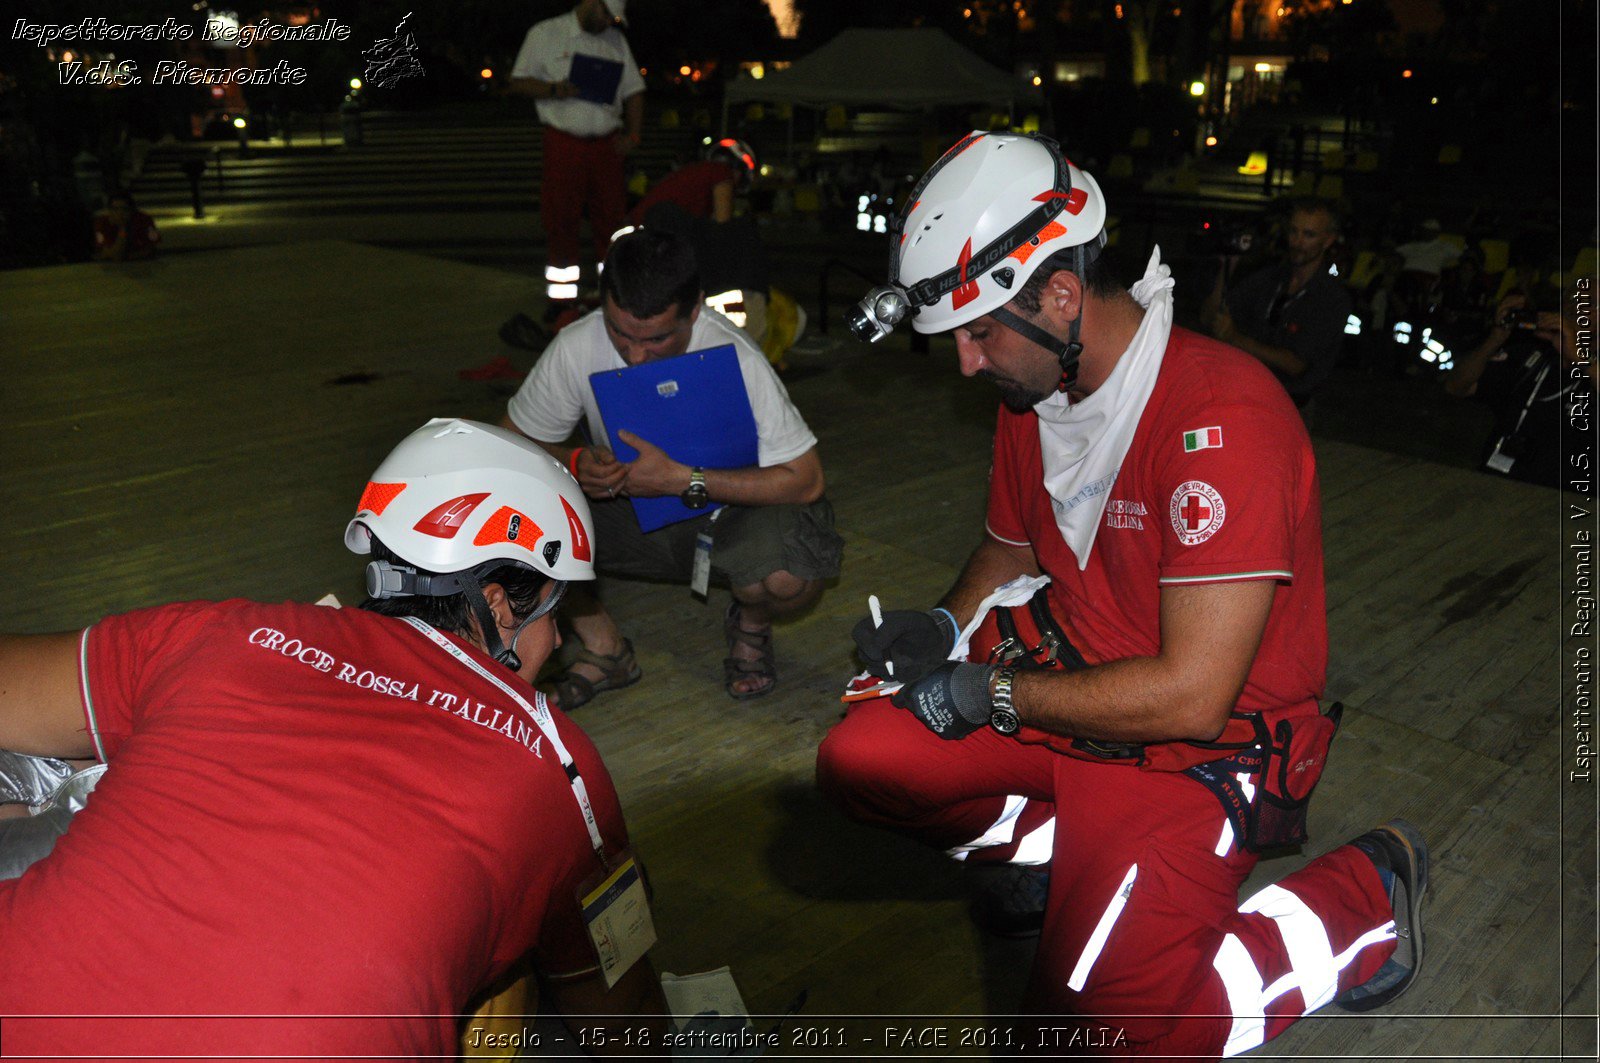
547 53
550 402
1428 256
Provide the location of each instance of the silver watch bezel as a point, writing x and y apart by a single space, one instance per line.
1002 711
696 496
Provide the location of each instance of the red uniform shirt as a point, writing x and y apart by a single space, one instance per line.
308 811
688 186
1218 484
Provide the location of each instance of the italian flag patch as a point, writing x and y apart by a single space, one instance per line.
1202 439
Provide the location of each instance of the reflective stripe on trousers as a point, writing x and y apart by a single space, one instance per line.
1035 846
561 282
1314 967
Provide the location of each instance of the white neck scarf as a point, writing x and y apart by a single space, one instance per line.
1083 443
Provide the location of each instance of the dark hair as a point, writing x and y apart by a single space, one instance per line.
121 193
523 586
650 271
1097 278
1314 205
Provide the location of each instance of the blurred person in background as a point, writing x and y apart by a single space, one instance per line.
1291 315
1538 380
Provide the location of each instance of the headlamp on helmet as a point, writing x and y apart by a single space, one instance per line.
975 227
876 316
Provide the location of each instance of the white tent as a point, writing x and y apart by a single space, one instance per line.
891 69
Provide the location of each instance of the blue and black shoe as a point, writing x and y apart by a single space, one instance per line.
1401 857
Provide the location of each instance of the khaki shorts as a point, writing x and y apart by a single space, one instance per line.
749 543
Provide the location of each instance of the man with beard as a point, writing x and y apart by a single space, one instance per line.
1166 486
1290 315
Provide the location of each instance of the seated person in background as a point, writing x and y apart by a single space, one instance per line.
122 232
1528 370
1466 289
1430 254
774 542
1423 262
334 826
1291 315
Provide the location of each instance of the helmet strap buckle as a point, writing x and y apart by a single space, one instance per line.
1066 351
487 624
1069 365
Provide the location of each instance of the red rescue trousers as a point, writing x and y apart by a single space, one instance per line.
1143 932
580 173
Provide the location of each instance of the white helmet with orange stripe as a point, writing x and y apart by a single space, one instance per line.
737 154
990 212
457 500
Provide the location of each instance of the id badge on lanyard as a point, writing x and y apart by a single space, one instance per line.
615 910
616 914
700 575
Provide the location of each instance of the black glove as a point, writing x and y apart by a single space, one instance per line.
916 643
952 701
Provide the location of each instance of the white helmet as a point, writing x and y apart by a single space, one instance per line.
458 495
977 226
735 153
459 499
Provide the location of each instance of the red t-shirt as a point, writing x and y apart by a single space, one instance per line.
1236 500
309 811
688 186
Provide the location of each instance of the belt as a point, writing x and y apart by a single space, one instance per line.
580 136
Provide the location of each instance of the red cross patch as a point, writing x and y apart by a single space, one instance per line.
1197 512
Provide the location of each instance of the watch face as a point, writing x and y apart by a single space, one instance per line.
1004 722
695 496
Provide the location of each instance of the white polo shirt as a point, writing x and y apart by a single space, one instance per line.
547 53
556 395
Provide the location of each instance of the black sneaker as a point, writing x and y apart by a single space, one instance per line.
1396 847
1010 899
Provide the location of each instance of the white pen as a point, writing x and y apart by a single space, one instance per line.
877 622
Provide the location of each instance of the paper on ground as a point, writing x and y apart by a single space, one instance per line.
690 994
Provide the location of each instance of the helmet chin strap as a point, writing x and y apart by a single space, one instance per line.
473 590
1066 351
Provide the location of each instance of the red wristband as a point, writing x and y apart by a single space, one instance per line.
572 461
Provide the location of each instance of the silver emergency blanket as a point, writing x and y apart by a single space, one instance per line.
30 780
53 793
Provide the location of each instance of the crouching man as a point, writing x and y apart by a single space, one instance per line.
1166 486
336 827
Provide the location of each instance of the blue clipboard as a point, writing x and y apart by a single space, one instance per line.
693 406
596 78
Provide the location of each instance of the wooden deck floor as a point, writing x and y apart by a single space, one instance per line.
200 426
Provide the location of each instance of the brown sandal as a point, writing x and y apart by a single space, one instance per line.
573 691
736 668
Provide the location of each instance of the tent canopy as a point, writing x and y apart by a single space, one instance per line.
896 69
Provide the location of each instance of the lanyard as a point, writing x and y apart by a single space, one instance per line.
541 716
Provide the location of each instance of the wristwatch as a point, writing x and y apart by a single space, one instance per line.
1002 716
694 496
